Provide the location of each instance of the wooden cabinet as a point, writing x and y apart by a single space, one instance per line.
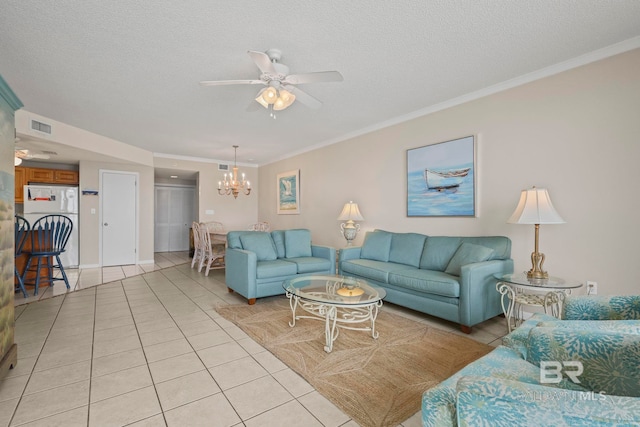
26 175
65 177
40 175
20 182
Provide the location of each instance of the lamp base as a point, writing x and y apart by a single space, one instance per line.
536 272
349 231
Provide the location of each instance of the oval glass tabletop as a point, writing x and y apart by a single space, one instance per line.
336 290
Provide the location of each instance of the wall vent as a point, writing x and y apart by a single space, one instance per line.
222 167
41 127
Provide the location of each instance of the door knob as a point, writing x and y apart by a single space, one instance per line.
106 223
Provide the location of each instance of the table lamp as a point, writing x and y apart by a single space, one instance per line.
535 207
350 213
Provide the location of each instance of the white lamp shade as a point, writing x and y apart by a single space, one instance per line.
535 207
17 161
350 212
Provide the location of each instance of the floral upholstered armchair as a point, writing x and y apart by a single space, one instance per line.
594 356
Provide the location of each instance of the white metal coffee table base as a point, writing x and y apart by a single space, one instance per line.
336 316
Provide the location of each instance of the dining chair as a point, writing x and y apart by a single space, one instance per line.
21 232
49 237
260 226
197 244
213 252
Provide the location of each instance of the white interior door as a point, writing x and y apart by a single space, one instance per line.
119 217
174 212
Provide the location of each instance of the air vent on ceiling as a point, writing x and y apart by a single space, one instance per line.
41 127
222 167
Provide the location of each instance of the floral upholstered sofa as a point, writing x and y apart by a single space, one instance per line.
594 376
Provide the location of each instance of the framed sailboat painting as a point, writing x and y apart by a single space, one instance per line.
441 179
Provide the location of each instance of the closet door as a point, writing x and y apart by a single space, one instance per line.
174 212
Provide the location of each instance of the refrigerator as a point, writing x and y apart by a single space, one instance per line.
40 200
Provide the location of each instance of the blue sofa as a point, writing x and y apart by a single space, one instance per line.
257 262
448 277
507 387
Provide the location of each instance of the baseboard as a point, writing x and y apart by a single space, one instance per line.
89 266
9 361
146 261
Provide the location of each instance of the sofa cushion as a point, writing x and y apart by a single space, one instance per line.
275 268
278 239
260 243
297 243
406 248
376 246
501 245
498 401
371 269
438 250
609 359
427 281
467 253
310 264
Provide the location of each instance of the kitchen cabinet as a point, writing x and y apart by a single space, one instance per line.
26 175
40 175
65 177
20 182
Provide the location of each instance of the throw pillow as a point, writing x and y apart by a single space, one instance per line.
376 246
297 243
260 243
467 253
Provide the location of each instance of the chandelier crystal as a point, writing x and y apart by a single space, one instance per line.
231 185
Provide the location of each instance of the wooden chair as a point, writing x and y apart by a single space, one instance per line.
260 226
197 245
49 237
22 228
213 253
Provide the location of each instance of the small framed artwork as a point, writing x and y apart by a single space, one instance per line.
289 192
441 179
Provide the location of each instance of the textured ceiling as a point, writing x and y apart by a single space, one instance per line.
129 70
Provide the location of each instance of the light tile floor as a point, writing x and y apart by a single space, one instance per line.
150 350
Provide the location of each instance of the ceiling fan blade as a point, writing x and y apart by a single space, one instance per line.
304 97
231 82
263 61
320 76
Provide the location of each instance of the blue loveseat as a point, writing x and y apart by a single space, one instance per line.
448 277
257 262
507 387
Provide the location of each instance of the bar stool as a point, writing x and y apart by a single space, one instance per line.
21 231
49 237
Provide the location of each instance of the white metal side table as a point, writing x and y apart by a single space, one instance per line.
522 291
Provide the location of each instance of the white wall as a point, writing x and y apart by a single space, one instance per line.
234 214
575 133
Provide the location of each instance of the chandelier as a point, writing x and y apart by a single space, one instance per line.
231 184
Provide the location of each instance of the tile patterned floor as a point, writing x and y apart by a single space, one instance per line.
150 350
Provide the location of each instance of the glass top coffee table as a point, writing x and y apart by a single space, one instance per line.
339 301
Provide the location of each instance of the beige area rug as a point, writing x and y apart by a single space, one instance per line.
376 382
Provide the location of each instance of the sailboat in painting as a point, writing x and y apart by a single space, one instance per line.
444 180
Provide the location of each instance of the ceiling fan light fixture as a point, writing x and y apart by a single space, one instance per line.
270 95
261 100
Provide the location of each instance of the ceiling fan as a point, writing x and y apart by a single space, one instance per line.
24 154
281 90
